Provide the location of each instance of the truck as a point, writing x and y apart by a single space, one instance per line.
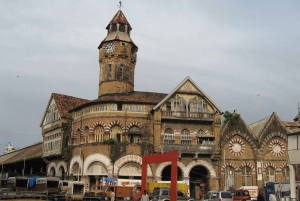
18 183
124 188
253 191
75 191
51 184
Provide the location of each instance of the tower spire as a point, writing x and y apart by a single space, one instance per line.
120 6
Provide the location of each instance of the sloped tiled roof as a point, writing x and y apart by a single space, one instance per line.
257 127
297 117
65 103
30 152
291 123
132 97
120 18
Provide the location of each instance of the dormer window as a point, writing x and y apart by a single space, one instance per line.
121 27
114 27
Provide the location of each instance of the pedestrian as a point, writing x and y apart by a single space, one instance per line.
272 196
260 196
200 194
145 196
112 195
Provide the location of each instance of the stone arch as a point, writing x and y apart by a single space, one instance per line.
245 136
114 123
75 131
228 164
165 127
137 124
161 166
62 164
98 123
207 165
269 164
284 165
75 159
247 164
131 158
50 166
97 158
269 137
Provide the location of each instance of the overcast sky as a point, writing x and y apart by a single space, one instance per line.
245 55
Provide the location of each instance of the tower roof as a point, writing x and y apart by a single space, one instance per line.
119 18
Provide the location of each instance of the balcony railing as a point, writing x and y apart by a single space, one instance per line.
188 115
204 148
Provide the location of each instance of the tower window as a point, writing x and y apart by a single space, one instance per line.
121 27
123 44
121 71
109 71
119 107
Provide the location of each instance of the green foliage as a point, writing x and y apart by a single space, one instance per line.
110 141
230 117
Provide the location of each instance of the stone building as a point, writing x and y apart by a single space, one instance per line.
107 137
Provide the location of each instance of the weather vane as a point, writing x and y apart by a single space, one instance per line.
120 6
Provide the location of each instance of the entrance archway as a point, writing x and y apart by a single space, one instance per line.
166 174
199 181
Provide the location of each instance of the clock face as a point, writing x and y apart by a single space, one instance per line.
110 47
236 146
276 147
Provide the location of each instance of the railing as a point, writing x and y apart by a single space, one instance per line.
189 149
191 115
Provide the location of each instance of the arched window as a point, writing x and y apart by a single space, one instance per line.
99 133
246 176
115 133
286 174
185 137
78 133
169 137
270 174
134 134
84 135
52 172
229 178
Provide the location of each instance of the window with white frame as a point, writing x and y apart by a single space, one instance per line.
286 173
270 174
246 176
52 114
115 133
99 133
229 178
185 137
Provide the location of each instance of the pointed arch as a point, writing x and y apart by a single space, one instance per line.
269 137
270 164
137 124
75 159
98 123
50 166
247 164
62 164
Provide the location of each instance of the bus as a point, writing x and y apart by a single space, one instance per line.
281 189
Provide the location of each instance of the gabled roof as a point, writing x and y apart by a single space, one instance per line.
259 126
205 96
29 152
292 127
132 97
64 103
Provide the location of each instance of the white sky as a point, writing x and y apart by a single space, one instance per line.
233 50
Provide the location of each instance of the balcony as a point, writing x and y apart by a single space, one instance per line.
207 147
205 116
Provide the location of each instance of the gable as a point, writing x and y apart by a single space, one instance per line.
51 114
188 93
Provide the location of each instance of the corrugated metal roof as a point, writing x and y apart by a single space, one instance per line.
258 126
29 152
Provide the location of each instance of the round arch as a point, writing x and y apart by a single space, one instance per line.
50 166
207 165
131 158
161 166
97 158
62 164
75 159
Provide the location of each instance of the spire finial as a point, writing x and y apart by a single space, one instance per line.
120 6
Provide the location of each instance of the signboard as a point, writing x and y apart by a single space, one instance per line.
259 171
128 182
41 181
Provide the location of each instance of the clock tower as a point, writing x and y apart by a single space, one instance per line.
117 58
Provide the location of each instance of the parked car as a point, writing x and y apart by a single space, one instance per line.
218 196
163 194
241 195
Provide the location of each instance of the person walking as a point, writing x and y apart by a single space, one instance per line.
112 195
260 196
272 196
145 196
